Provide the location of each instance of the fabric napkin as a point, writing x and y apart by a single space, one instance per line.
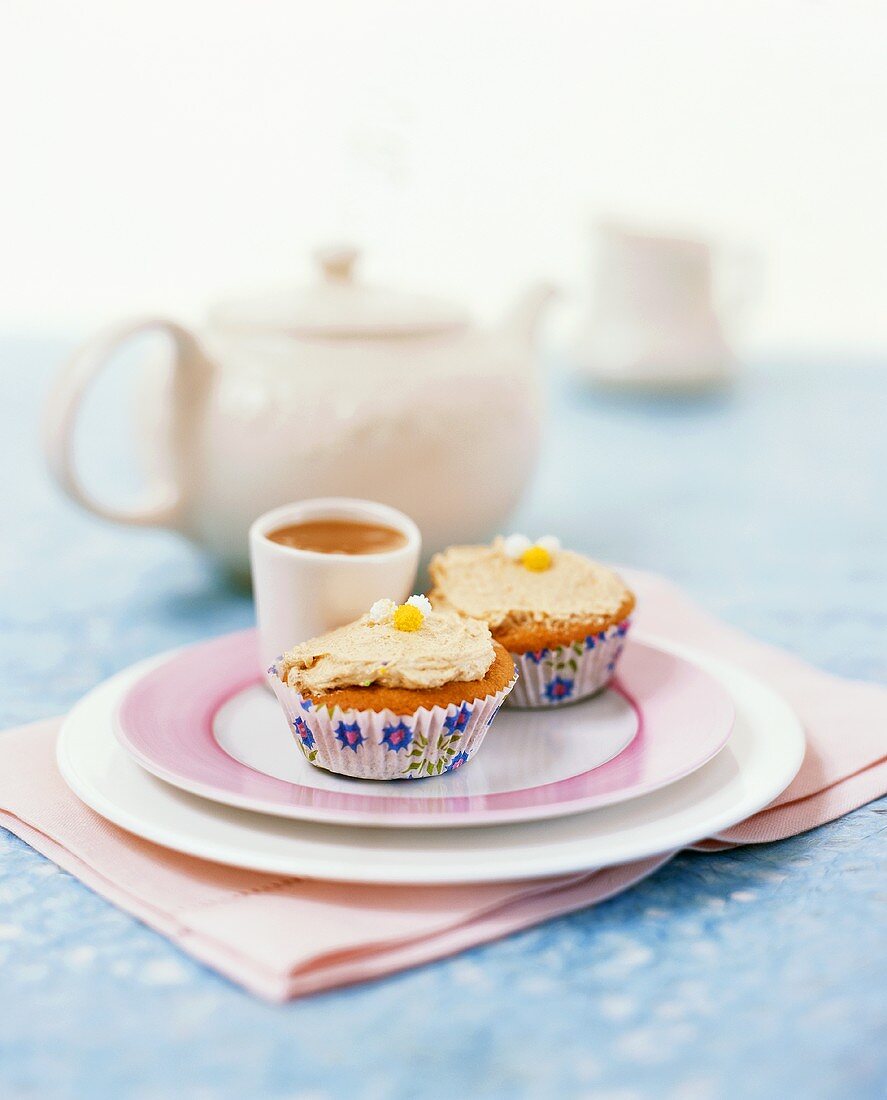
287 937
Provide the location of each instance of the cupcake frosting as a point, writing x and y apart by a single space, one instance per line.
443 649
487 582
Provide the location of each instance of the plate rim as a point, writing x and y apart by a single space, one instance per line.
375 816
399 871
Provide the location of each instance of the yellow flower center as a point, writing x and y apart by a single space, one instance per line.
407 617
537 559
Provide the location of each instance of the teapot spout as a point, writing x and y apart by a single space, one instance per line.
524 317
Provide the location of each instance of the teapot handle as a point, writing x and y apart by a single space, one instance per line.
165 498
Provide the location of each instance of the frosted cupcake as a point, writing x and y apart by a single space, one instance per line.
561 616
401 693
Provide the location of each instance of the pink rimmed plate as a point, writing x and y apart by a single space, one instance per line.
205 722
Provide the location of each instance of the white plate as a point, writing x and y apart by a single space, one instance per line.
760 759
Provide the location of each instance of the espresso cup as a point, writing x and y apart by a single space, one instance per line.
302 593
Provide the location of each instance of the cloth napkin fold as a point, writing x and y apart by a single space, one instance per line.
286 937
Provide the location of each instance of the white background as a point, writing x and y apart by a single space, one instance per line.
154 153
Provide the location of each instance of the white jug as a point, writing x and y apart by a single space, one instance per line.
654 319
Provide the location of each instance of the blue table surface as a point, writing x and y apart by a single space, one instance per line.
755 973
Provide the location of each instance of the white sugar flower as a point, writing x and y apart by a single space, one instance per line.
515 546
382 610
422 602
551 543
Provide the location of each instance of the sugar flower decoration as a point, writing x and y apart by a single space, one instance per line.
407 616
422 602
515 546
551 543
382 610
535 556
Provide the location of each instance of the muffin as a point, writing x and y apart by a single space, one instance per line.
403 692
561 616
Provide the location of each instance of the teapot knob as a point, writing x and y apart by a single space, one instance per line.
337 263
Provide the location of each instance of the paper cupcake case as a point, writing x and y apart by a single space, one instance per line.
567 673
369 744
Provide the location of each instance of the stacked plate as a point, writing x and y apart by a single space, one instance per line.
192 751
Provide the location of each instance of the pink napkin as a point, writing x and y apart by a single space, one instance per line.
285 937
845 721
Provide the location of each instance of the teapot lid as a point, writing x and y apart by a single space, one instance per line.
339 305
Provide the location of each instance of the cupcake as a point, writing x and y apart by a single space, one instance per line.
561 616
403 692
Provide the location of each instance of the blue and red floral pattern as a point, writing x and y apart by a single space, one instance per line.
456 723
558 689
303 732
396 737
537 655
458 760
349 736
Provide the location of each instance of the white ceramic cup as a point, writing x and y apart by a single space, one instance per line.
302 593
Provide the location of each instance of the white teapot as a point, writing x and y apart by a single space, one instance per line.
341 389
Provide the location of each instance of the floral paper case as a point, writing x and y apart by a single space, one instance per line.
370 744
567 673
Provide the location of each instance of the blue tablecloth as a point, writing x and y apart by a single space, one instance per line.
757 973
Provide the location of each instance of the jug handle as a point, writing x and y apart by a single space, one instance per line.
165 498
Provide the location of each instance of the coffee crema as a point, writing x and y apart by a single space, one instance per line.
339 536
